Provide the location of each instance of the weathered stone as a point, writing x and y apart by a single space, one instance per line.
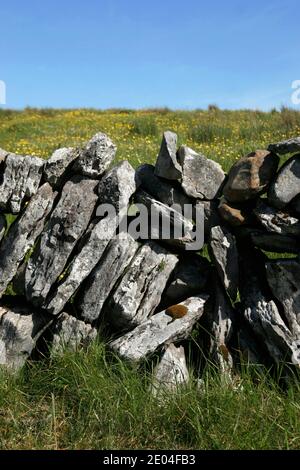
98 235
225 255
159 330
201 178
139 291
278 222
211 216
96 156
218 323
167 165
287 183
286 146
67 224
23 234
235 216
284 280
2 225
250 176
165 223
171 372
69 333
118 185
20 180
262 314
20 328
274 242
99 284
162 190
190 277
57 167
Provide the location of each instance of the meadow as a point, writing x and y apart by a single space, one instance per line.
89 400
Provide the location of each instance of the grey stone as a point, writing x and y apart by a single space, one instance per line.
23 234
96 156
278 222
171 372
201 178
261 312
2 225
118 185
161 329
225 256
166 223
20 328
57 167
99 284
287 183
286 146
20 180
190 277
250 176
167 165
274 242
68 333
211 216
66 225
284 280
116 189
139 291
164 191
218 318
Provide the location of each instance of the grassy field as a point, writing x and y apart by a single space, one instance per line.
87 400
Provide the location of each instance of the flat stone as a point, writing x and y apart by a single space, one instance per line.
211 216
66 225
167 192
96 156
166 224
261 312
189 278
118 185
23 233
171 372
105 276
287 183
233 215
159 330
201 178
98 235
284 280
58 166
20 328
167 165
277 222
21 179
286 146
218 323
224 253
71 334
2 225
274 242
250 176
139 291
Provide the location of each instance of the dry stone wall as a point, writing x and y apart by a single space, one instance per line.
69 273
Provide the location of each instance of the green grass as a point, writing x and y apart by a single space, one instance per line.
84 400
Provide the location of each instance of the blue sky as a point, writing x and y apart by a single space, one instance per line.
129 53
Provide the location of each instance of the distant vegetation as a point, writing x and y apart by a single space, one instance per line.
221 135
